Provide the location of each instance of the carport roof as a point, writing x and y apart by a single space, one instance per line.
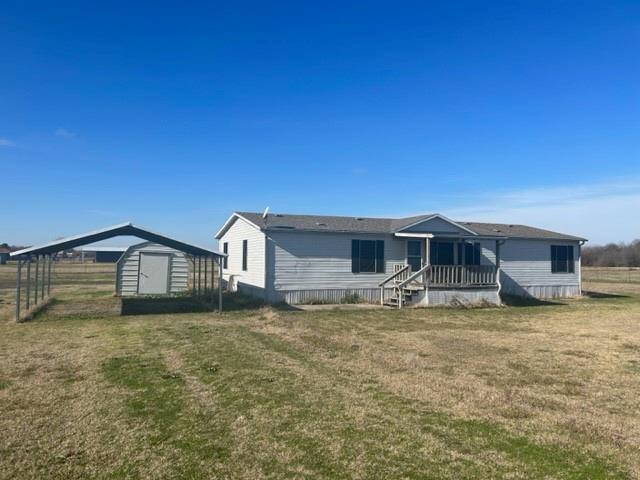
127 229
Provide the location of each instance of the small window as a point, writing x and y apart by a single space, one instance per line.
245 244
562 259
225 260
367 256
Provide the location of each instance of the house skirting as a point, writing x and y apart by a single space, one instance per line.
443 296
436 296
328 295
542 291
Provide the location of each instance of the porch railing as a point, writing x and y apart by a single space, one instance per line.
439 276
463 275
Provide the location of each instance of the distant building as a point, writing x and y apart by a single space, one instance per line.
101 254
4 255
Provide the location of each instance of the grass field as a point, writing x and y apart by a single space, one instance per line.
611 275
518 392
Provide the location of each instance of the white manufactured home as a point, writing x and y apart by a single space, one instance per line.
421 260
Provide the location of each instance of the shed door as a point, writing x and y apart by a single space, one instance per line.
154 273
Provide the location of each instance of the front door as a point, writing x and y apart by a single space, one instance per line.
414 254
153 277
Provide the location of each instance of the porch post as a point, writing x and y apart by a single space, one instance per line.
580 268
464 278
427 248
427 251
498 244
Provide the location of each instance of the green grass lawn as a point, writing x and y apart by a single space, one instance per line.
517 392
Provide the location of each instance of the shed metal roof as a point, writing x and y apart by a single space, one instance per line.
324 223
127 229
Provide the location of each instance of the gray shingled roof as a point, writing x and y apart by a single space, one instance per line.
324 223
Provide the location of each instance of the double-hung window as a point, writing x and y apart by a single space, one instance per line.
367 256
562 259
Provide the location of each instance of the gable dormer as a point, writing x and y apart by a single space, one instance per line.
435 224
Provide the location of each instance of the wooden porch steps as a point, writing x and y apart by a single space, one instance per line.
408 292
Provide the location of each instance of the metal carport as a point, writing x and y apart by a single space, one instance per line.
42 256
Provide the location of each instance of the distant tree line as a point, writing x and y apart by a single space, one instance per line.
612 255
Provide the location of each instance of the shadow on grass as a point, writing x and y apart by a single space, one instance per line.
188 304
603 295
518 301
38 310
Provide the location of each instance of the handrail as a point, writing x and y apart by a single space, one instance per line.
413 276
393 275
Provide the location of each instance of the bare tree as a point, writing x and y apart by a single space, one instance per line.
612 255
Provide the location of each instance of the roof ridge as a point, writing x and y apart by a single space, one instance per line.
379 225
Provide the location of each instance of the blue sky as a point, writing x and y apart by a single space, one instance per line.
174 114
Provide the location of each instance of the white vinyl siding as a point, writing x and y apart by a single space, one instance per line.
487 251
526 265
242 230
305 260
128 268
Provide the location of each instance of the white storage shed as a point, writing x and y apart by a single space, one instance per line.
152 269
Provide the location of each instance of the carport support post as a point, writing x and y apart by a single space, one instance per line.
199 275
18 281
193 287
206 260
28 292
35 283
49 277
44 275
220 285
213 278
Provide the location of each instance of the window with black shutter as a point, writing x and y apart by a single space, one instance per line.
379 256
225 261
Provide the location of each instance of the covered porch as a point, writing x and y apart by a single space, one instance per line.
439 268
